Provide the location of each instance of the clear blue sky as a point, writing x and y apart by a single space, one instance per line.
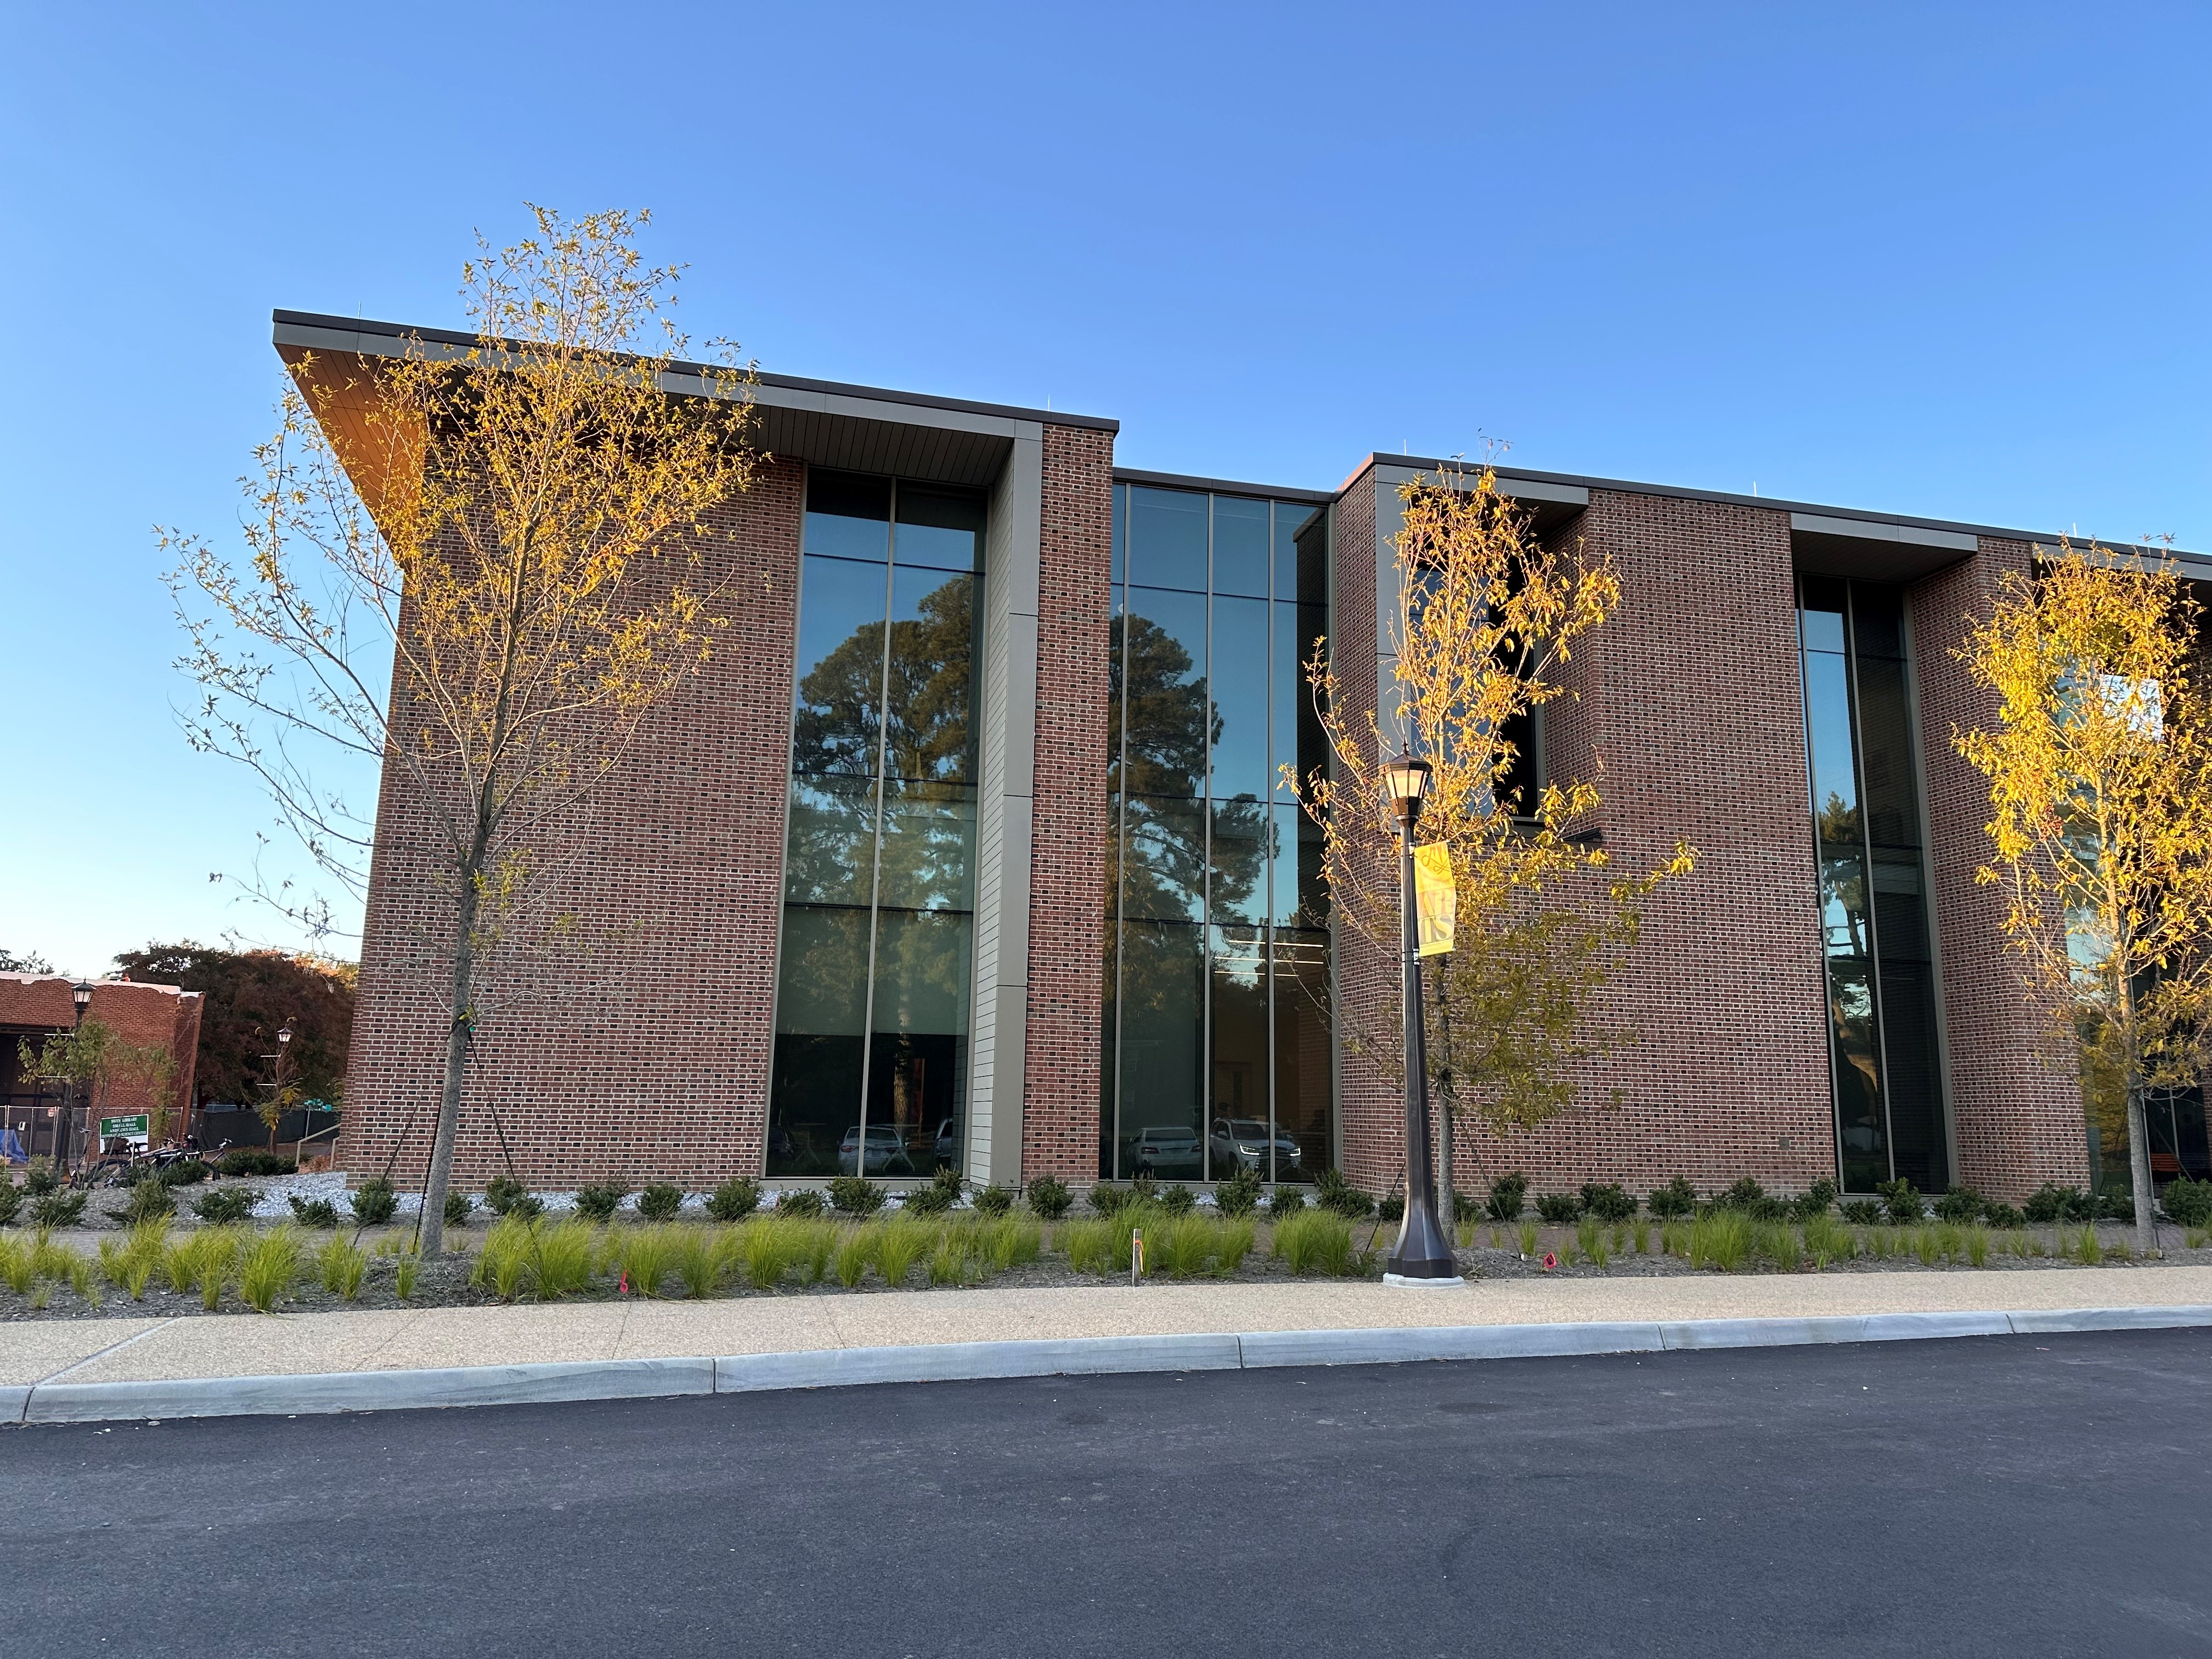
1939 260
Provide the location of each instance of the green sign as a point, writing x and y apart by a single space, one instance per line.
140 1125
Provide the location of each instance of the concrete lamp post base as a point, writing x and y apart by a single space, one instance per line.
1401 1281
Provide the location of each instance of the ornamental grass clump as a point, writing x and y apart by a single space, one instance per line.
1184 1245
898 1244
404 1274
1828 1240
1977 1247
341 1265
1010 1242
1721 1239
699 1258
1319 1242
648 1257
817 1244
2088 1250
953 1261
1528 1239
1090 1246
851 1261
765 1246
269 1267
1776 1242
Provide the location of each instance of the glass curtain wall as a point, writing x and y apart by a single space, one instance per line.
870 1068
1887 1059
1217 1030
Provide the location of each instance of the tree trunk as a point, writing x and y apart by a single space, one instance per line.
457 1057
2139 1165
1446 1190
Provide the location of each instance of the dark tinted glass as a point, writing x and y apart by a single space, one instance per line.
1304 1049
939 528
841 643
1163 859
1237 674
1877 620
1241 551
1299 897
1288 516
1165 670
1121 552
1238 1058
1915 1099
1886 751
1162 1027
848 515
1239 850
1860 1125
932 674
819 1044
1167 539
829 844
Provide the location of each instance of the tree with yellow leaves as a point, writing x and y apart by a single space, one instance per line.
2100 790
525 530
1489 618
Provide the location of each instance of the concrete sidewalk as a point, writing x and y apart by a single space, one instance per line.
86 1370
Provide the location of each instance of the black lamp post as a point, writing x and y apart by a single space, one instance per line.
1424 1250
283 1050
65 1137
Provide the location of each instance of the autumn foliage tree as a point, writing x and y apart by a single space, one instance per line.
2100 767
1489 618
525 530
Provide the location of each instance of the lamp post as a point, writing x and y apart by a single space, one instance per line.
283 1048
1424 1252
65 1137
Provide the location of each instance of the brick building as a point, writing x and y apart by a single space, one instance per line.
971 845
34 1007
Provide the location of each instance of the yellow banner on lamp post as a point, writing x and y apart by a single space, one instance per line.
1436 898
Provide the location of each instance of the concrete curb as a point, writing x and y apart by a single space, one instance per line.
952 1362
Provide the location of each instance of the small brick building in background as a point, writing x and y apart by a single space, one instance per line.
1768 659
34 1007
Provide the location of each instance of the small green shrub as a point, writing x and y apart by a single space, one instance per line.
1333 1192
270 1265
59 1208
1050 1198
1559 1208
1105 1197
1902 1200
184 1172
150 1200
1466 1208
41 1177
1175 1198
1318 1242
312 1212
459 1207
1286 1200
374 1202
1675 1201
1239 1194
1862 1211
11 1199
253 1161
2051 1203
1390 1207
940 1194
734 1199
502 1193
597 1201
1608 1203
1742 1195
995 1201
660 1201
1509 1196
2116 1204
2004 1217
1959 1204
1817 1201
800 1203
2187 1203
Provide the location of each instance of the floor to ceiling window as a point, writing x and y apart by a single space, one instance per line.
871 1067
1217 1045
1887 1065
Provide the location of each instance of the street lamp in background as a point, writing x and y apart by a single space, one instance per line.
65 1137
1424 1252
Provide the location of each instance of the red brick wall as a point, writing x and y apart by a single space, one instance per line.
1691 706
640 1050
2019 1118
1067 865
144 1015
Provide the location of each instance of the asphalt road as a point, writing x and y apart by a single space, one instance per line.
2017 1495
